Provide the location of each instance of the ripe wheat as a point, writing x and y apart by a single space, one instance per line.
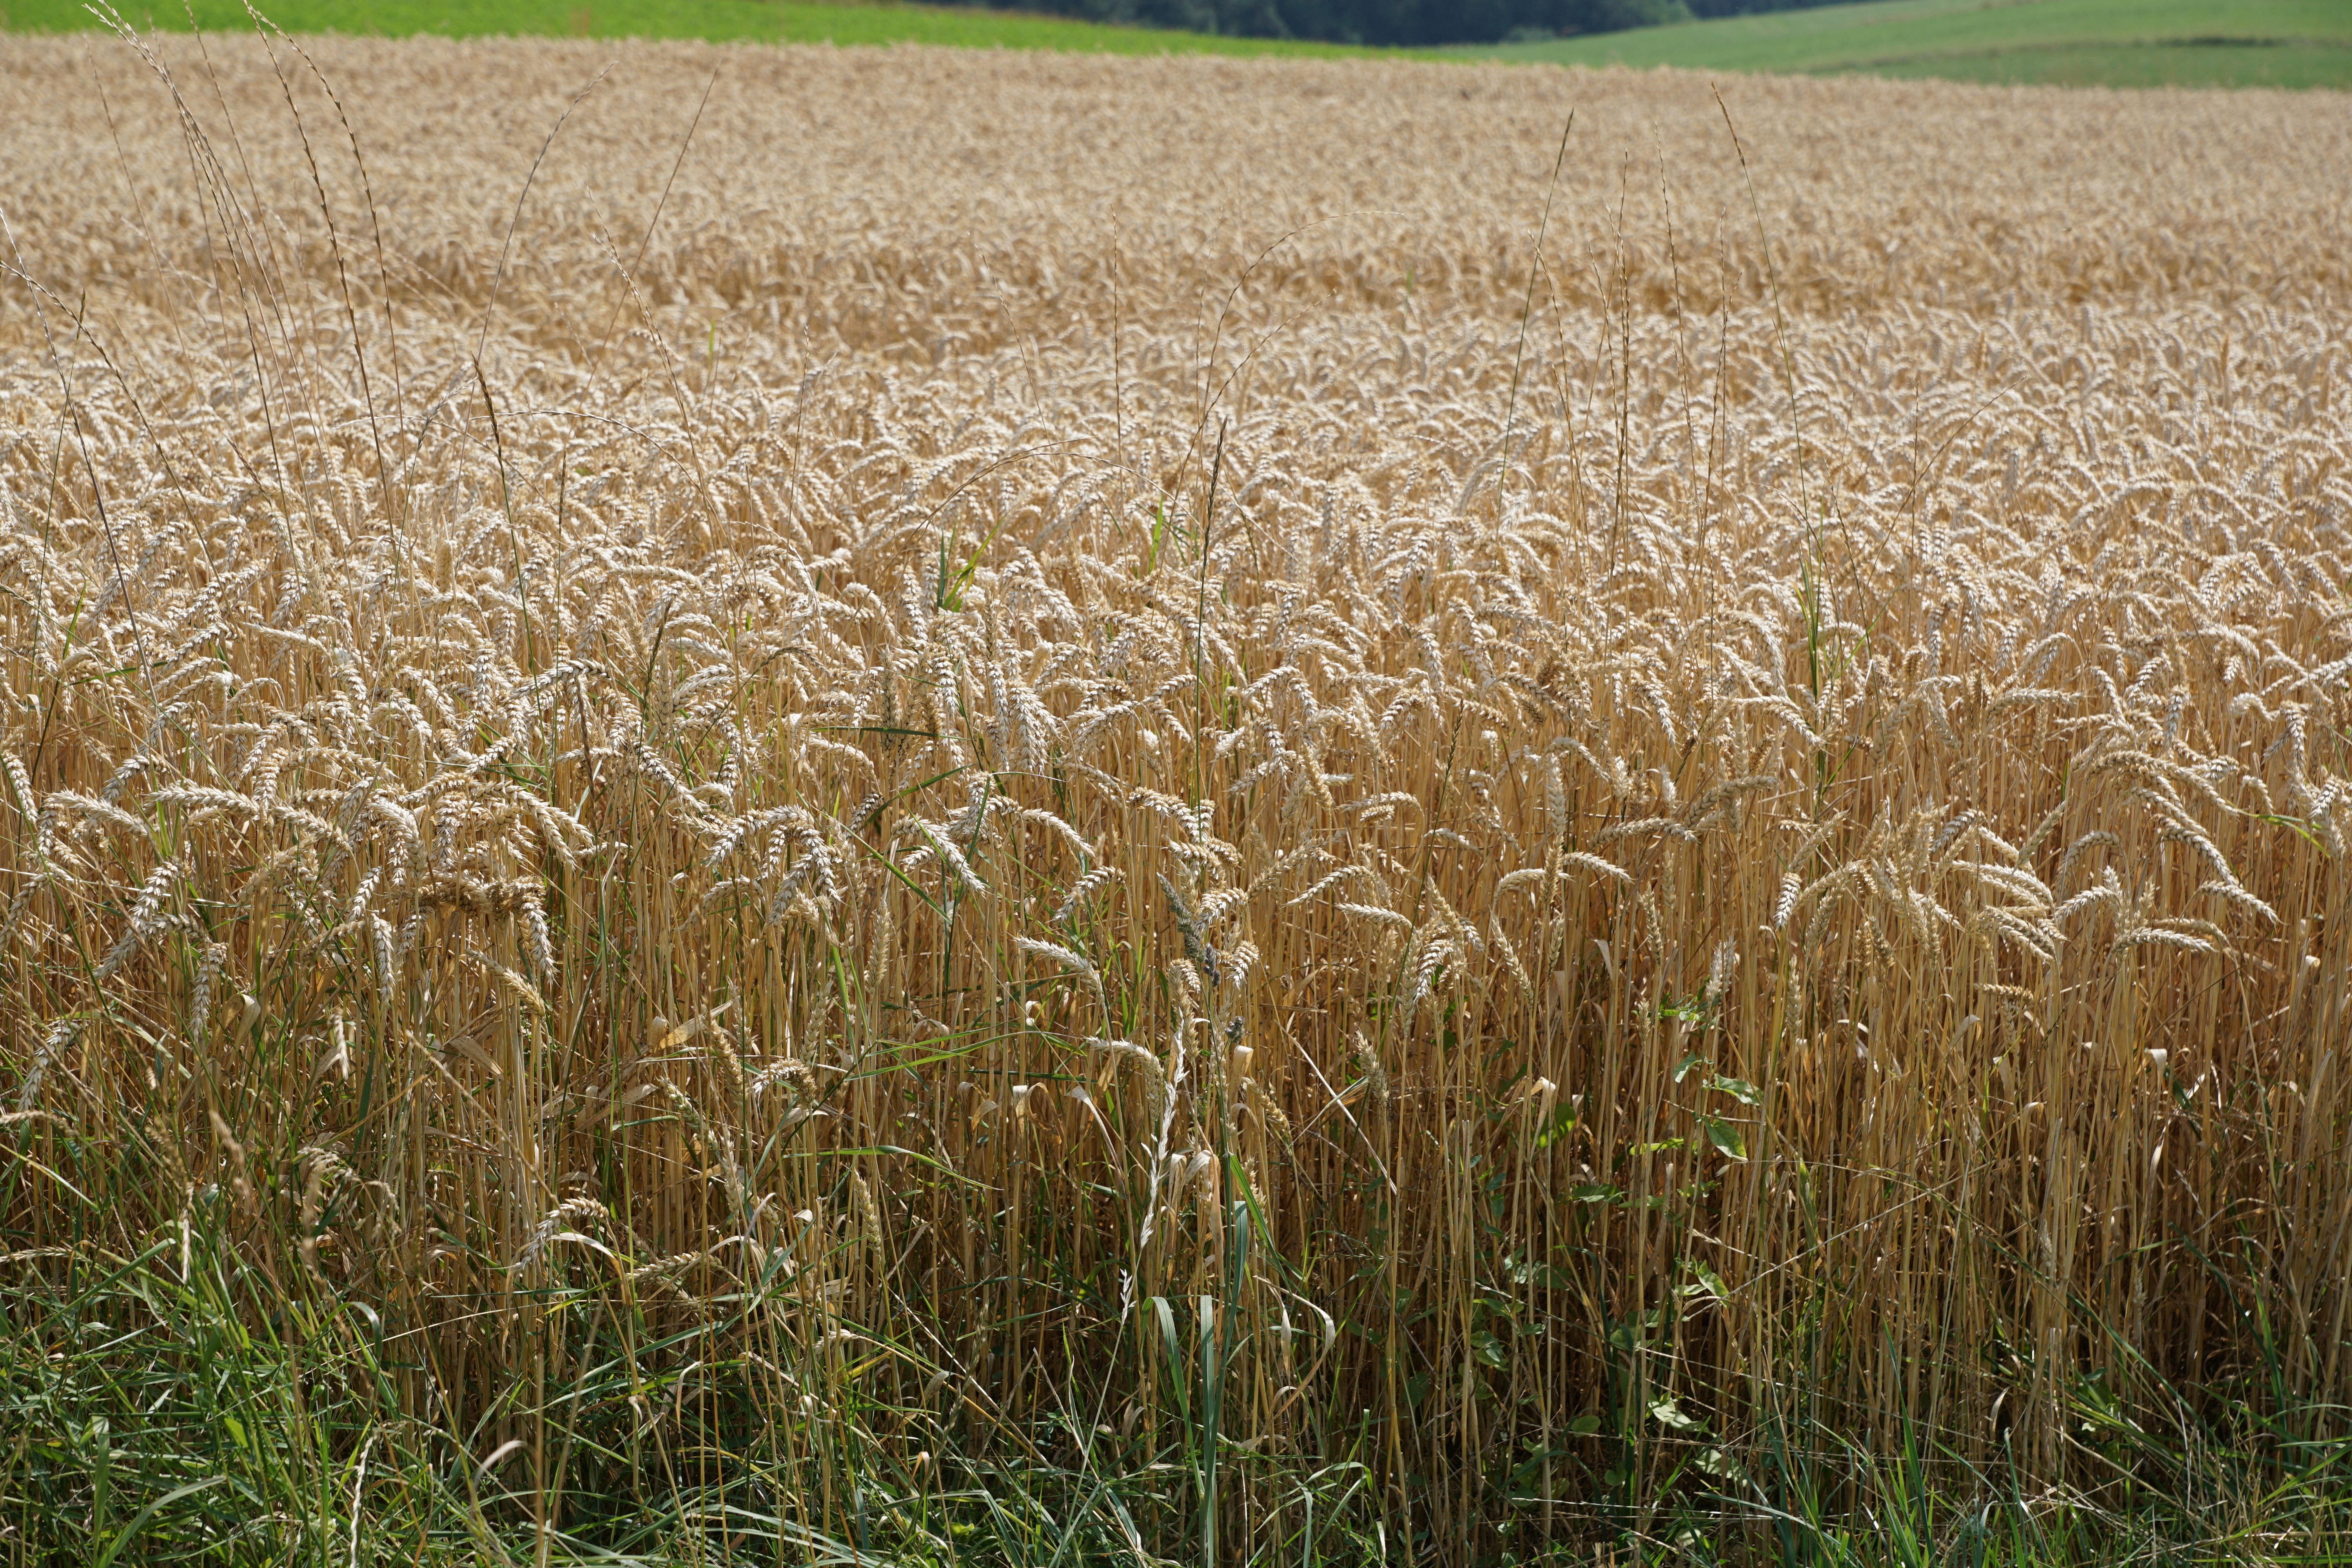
996 688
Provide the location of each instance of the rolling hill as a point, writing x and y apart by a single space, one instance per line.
2113 43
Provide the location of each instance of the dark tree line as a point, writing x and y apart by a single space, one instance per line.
1404 22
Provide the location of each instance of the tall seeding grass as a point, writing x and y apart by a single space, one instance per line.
896 808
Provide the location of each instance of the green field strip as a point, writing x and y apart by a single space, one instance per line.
2283 43
723 21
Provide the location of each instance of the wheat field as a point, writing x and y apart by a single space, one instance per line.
763 794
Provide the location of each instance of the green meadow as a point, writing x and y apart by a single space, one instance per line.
724 21
2073 43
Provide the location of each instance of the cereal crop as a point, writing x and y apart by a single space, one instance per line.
893 806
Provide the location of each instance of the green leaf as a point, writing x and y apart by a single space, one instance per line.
1562 1124
1683 1068
1527 1271
2296 824
1715 1462
1668 1413
1595 1193
1726 1138
139 1521
1706 1281
1167 1317
1739 1088
1249 1201
1487 1348
1585 1425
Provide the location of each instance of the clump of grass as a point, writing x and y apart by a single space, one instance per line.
923 913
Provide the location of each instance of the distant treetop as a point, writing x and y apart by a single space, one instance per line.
1399 22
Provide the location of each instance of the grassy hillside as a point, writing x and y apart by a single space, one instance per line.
755 21
2114 43
2117 42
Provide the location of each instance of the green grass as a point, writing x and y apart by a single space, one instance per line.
726 21
178 1404
2114 43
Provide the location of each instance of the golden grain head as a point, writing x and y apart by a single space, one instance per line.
977 574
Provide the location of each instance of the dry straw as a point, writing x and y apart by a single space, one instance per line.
827 800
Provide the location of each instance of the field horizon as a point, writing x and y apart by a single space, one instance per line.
2124 44
843 23
2304 44
942 808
